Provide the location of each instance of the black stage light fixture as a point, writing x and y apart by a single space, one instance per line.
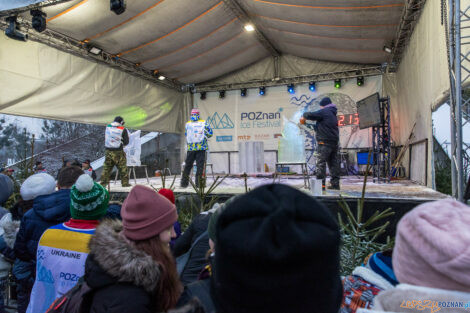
39 20
312 86
291 88
118 6
360 81
203 95
337 83
262 91
222 94
243 92
12 30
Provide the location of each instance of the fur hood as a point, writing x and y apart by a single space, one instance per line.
10 229
119 258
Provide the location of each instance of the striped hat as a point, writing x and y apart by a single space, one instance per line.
88 200
195 111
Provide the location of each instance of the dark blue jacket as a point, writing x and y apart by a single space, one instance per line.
327 124
47 211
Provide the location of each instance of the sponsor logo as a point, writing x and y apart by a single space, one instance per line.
262 136
277 135
224 138
244 137
218 122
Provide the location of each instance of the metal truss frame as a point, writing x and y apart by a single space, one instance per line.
381 144
73 46
411 13
459 72
353 73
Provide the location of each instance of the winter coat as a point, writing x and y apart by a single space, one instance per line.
327 124
360 288
122 277
201 290
416 299
197 259
47 211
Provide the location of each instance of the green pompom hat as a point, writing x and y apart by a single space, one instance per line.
88 200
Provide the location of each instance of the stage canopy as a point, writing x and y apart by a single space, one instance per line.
203 45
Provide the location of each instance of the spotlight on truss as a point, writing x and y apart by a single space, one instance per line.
12 30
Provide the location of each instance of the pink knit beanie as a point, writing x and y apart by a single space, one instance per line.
432 246
145 213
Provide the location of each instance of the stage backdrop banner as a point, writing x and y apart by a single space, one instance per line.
237 119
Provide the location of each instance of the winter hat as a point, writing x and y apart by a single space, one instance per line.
325 101
119 120
215 217
6 188
276 243
167 193
37 185
88 200
382 265
146 213
432 247
195 111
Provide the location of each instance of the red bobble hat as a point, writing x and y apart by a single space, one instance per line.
146 213
167 193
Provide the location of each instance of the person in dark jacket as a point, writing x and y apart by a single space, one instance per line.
130 267
48 210
327 136
202 288
197 231
87 169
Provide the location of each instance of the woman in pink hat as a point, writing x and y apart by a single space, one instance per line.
130 266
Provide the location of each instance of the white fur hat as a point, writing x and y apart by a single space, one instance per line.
37 185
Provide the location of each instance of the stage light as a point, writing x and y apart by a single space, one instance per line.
118 6
262 91
337 83
12 30
360 81
311 86
203 95
39 20
222 94
94 50
387 49
249 28
290 88
161 77
243 92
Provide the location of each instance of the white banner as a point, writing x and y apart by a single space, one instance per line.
262 118
133 149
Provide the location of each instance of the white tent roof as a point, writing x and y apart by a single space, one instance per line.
194 41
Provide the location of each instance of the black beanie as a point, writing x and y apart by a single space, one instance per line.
277 250
325 101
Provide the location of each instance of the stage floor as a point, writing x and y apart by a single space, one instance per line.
351 187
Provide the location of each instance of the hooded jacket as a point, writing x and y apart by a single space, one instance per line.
197 259
47 211
123 278
327 124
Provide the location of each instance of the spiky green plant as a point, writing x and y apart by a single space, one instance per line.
204 194
358 236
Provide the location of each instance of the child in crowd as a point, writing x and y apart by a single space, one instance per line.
431 261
